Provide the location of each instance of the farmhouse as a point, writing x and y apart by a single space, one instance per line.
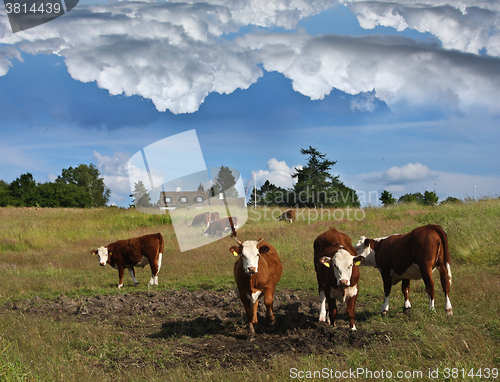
171 200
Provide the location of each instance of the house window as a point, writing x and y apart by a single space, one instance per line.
199 199
168 199
183 199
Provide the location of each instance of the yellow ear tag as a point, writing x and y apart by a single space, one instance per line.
357 263
235 253
326 265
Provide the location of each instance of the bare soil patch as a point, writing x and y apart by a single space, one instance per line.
209 327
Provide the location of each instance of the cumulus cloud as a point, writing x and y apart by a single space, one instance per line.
396 176
175 53
278 173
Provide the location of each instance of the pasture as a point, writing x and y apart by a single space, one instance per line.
63 317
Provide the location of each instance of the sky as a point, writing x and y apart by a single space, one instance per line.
403 95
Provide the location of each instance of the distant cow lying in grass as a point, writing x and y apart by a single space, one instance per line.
205 218
288 215
220 226
337 272
408 257
256 272
135 252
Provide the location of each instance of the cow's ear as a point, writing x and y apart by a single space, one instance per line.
236 251
367 242
93 252
325 260
263 249
358 260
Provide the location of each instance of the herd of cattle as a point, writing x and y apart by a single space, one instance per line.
258 269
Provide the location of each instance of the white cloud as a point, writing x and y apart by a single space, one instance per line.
278 173
114 172
464 25
175 53
409 173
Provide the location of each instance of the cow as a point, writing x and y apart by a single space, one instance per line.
288 215
220 225
204 218
411 256
134 252
214 216
256 272
337 271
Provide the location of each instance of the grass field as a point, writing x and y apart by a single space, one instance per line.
45 253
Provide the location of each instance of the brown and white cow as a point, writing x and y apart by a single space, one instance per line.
204 218
337 272
256 272
134 252
220 225
408 257
214 216
288 215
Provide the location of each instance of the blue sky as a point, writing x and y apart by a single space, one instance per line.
403 95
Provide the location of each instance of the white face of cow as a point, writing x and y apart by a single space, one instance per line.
250 255
102 252
361 248
342 264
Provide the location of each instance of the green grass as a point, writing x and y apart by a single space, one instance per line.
46 253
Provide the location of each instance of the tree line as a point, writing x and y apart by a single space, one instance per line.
315 187
428 198
81 187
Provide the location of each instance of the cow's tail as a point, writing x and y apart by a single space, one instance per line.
161 248
446 252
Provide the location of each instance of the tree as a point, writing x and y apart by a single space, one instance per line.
141 195
451 199
411 198
24 191
430 198
201 188
6 198
225 182
386 198
88 178
271 195
316 186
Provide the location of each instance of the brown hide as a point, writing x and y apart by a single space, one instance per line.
203 218
288 215
220 225
264 281
327 244
128 253
425 246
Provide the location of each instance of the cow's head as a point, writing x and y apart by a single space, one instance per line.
250 251
103 254
364 247
342 263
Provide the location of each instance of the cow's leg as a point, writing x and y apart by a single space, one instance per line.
322 309
249 310
131 272
351 310
332 310
445 274
155 268
405 288
268 302
387 279
429 284
121 272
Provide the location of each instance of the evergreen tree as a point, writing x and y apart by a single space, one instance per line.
386 198
201 188
141 195
225 182
316 186
430 198
24 191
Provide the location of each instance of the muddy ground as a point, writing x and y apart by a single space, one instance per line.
210 326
